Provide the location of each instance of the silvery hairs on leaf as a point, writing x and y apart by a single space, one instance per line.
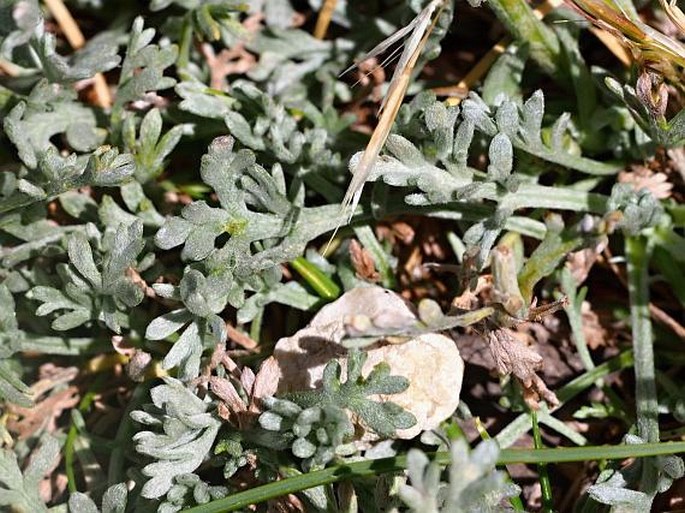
474 483
184 431
19 490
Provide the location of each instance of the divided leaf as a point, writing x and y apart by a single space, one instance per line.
187 436
20 490
384 418
95 291
474 484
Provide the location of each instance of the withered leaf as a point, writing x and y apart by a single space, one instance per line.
363 262
513 357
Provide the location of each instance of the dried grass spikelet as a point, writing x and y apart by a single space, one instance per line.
653 49
430 362
416 32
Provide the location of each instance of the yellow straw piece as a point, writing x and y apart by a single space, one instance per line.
324 19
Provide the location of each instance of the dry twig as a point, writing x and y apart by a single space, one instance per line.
75 38
324 19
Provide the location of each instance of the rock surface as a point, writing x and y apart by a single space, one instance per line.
430 362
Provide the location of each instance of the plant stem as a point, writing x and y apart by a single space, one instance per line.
397 464
324 19
324 286
645 385
184 46
574 314
520 20
545 486
69 449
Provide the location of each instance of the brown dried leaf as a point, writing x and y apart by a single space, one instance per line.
239 382
231 402
265 383
287 504
138 366
138 280
240 338
230 61
677 160
26 422
472 299
402 231
247 380
595 334
53 486
579 263
44 413
51 376
363 262
371 75
641 177
122 346
513 357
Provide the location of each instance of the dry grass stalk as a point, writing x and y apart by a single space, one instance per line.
324 19
650 47
74 36
418 31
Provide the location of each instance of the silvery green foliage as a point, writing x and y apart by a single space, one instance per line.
203 297
35 235
184 430
452 129
23 34
150 148
669 133
138 207
12 389
50 110
303 147
94 290
113 501
430 148
19 490
142 71
257 226
204 102
239 183
506 74
18 21
276 136
315 424
287 57
190 490
316 435
640 209
382 418
209 20
99 55
614 487
277 13
474 485
231 451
